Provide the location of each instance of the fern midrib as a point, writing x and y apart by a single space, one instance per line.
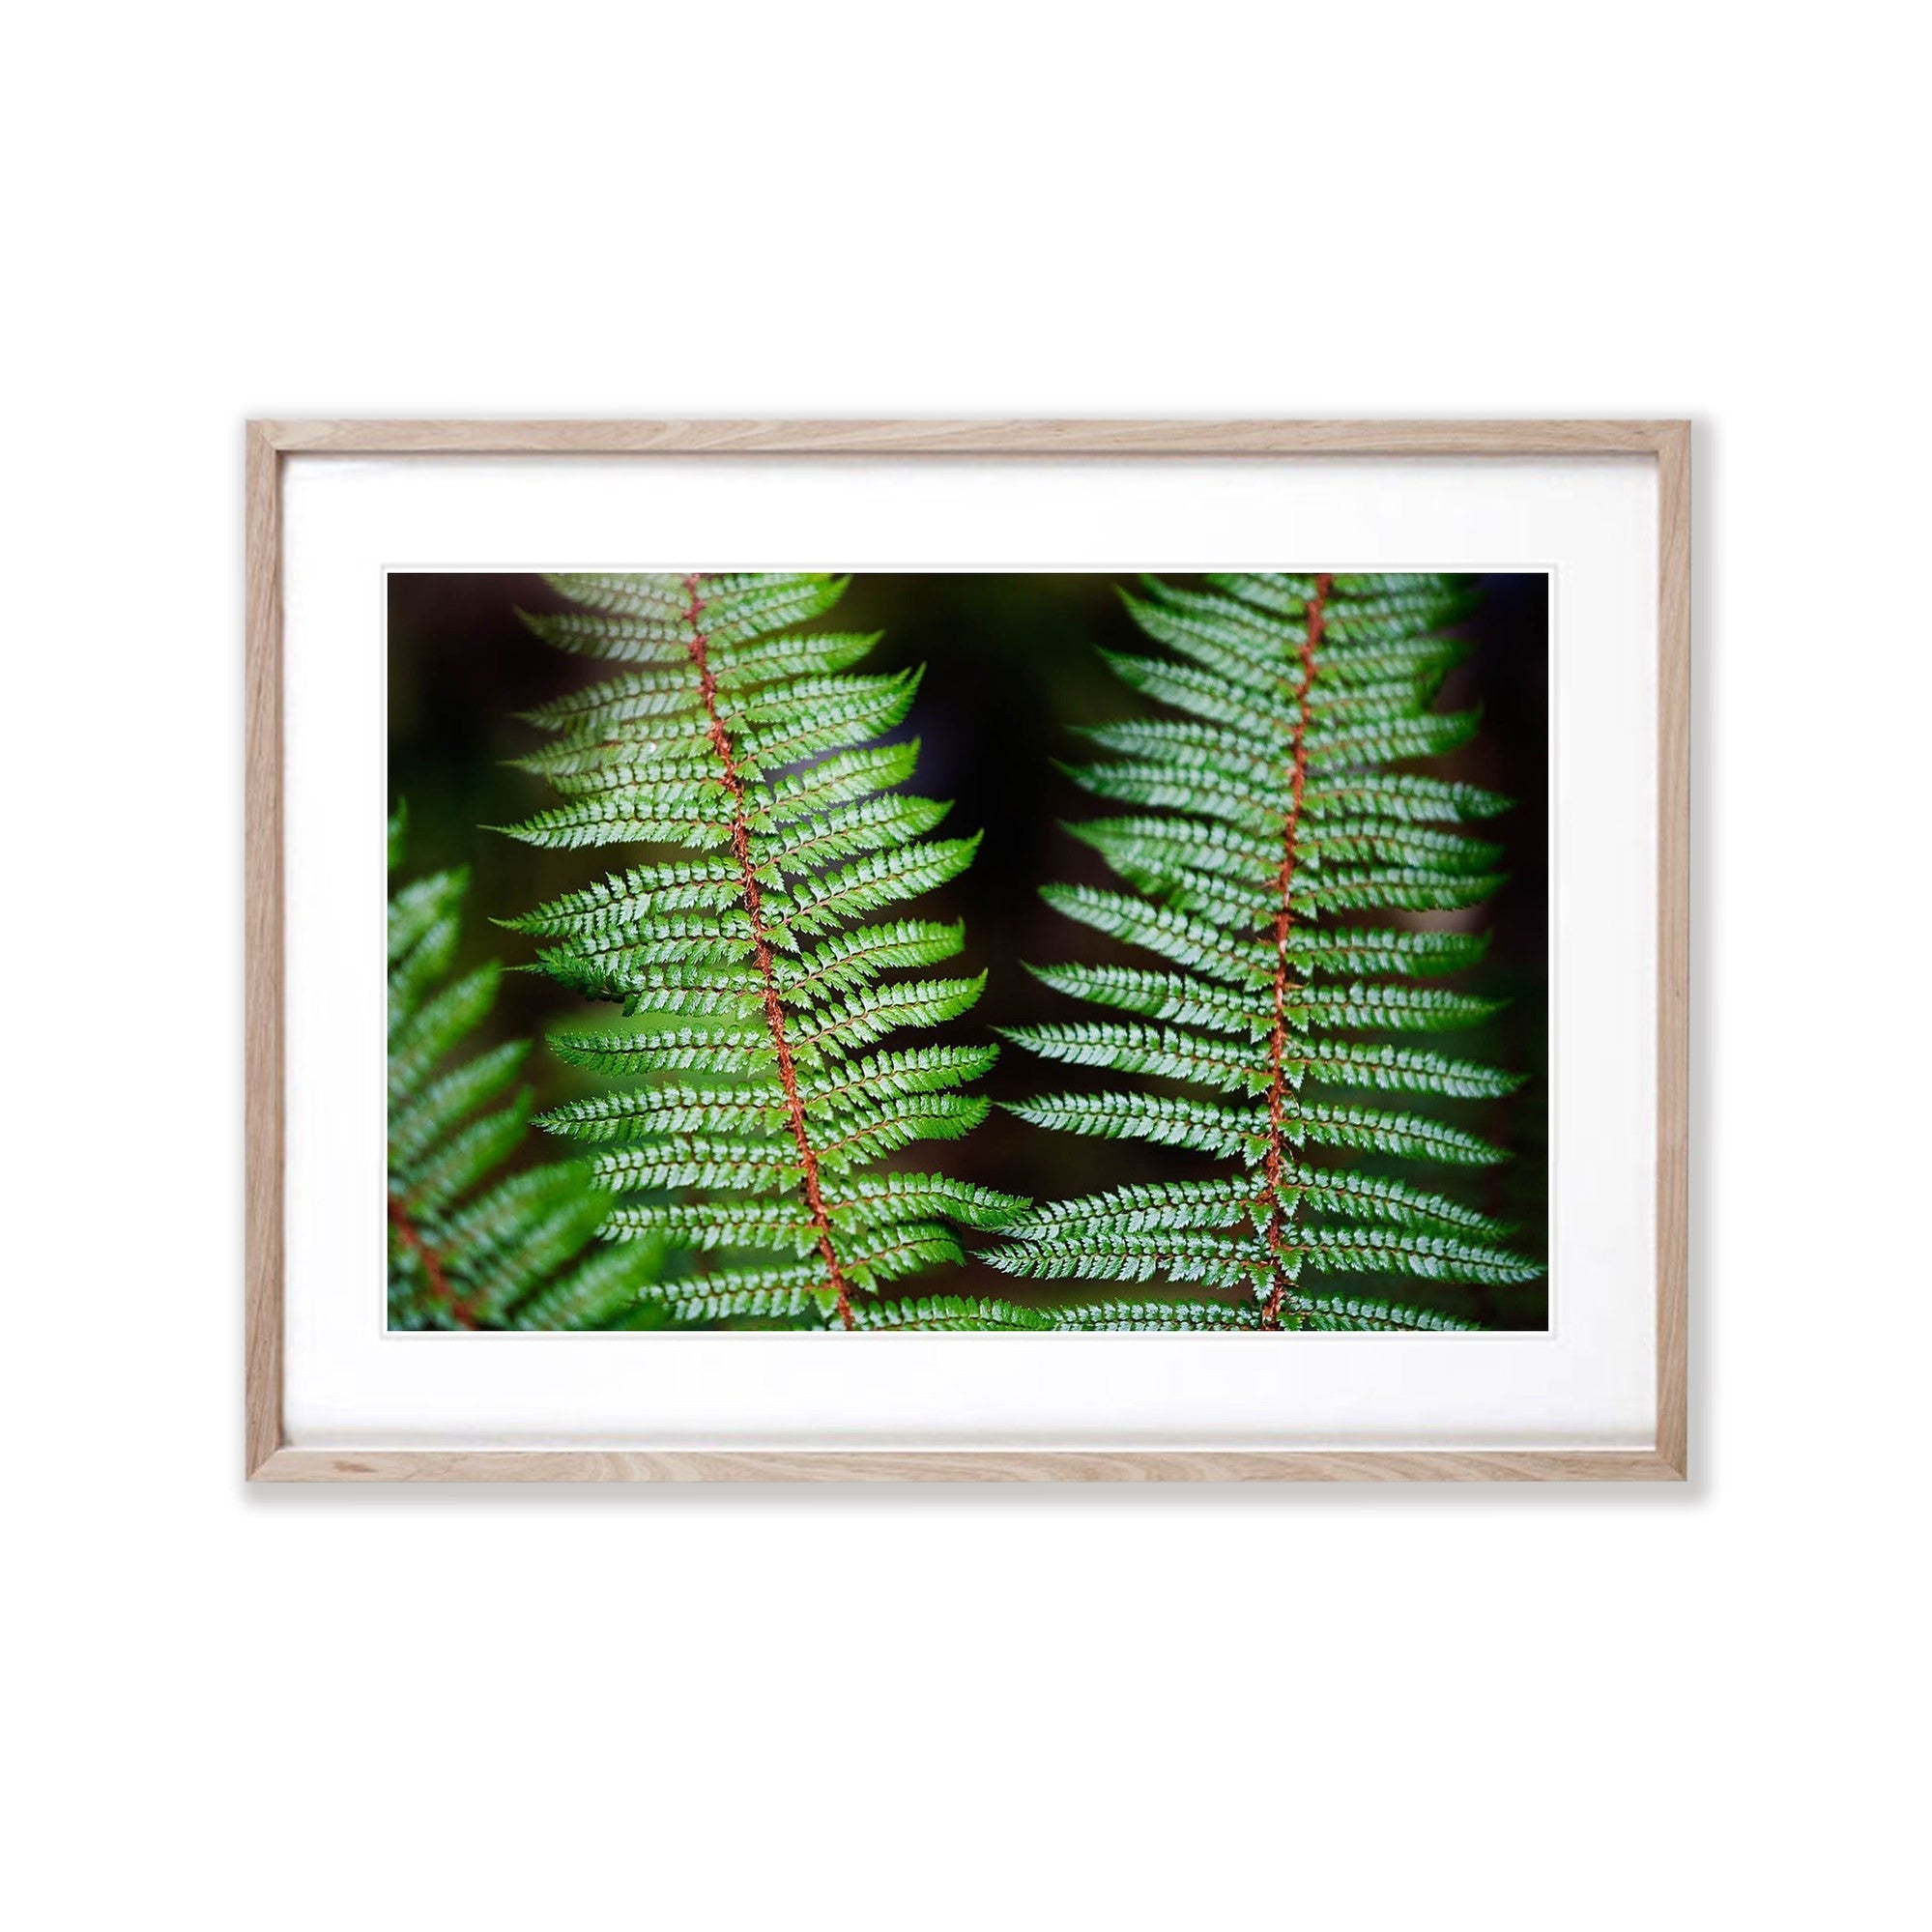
433 1269
1280 1218
720 736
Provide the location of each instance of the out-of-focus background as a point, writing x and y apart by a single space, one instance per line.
1012 667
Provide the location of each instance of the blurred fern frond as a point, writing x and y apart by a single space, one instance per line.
466 1250
1265 835
752 950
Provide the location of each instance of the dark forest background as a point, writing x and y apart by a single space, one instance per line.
1010 666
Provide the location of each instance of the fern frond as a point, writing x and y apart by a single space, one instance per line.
740 742
420 1035
1162 1316
611 904
1160 995
1349 1192
1160 1119
1270 837
1192 944
843 1026
468 1245
953 1315
827 899
845 961
956 1314
1171 1053
1347 1313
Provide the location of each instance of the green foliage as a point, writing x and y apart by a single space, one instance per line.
469 1246
956 1313
750 950
1267 847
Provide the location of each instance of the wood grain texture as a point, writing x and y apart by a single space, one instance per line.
947 437
1673 947
263 996
269 1460
973 1465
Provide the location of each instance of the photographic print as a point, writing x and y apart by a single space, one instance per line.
994 951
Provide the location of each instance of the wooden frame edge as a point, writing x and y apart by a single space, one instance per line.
269 1459
1673 946
261 865
955 437
972 1465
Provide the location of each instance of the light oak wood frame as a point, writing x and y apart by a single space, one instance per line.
269 1459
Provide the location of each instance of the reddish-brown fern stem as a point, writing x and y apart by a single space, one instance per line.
410 1237
1284 885
761 943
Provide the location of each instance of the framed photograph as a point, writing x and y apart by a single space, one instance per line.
968 951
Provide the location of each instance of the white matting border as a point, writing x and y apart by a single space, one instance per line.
1587 1383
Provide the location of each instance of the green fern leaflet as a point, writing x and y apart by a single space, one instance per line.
1264 836
466 1251
751 948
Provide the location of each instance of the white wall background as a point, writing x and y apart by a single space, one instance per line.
692 1709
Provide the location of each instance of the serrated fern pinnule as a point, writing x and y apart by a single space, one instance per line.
957 1313
752 949
1267 835
466 1251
